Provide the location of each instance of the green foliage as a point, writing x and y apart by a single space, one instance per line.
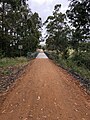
58 31
84 46
31 55
18 26
6 72
78 14
5 62
82 59
49 54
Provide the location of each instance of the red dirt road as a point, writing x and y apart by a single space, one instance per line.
46 92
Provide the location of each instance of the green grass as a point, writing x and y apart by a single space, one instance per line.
71 65
6 62
6 72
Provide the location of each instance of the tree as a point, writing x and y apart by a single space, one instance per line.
58 31
37 24
18 26
79 17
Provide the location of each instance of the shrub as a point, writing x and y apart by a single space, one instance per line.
31 55
4 62
82 59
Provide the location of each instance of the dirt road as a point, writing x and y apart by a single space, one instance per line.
46 92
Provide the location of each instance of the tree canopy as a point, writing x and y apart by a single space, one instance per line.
79 18
18 26
70 30
58 31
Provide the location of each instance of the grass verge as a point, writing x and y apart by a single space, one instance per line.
6 62
10 69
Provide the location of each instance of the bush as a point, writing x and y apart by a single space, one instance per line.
1 54
52 55
31 55
4 62
82 59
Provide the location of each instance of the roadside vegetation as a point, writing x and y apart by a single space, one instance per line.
6 62
68 38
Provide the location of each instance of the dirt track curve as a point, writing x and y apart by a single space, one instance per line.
46 92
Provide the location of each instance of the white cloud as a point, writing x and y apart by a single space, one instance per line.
45 7
42 1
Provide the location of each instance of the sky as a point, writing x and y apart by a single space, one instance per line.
45 7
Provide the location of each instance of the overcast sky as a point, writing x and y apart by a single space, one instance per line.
45 7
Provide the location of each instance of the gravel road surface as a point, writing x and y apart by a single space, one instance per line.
45 92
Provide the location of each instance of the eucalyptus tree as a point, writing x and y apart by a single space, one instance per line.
79 17
58 31
34 28
7 21
18 26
